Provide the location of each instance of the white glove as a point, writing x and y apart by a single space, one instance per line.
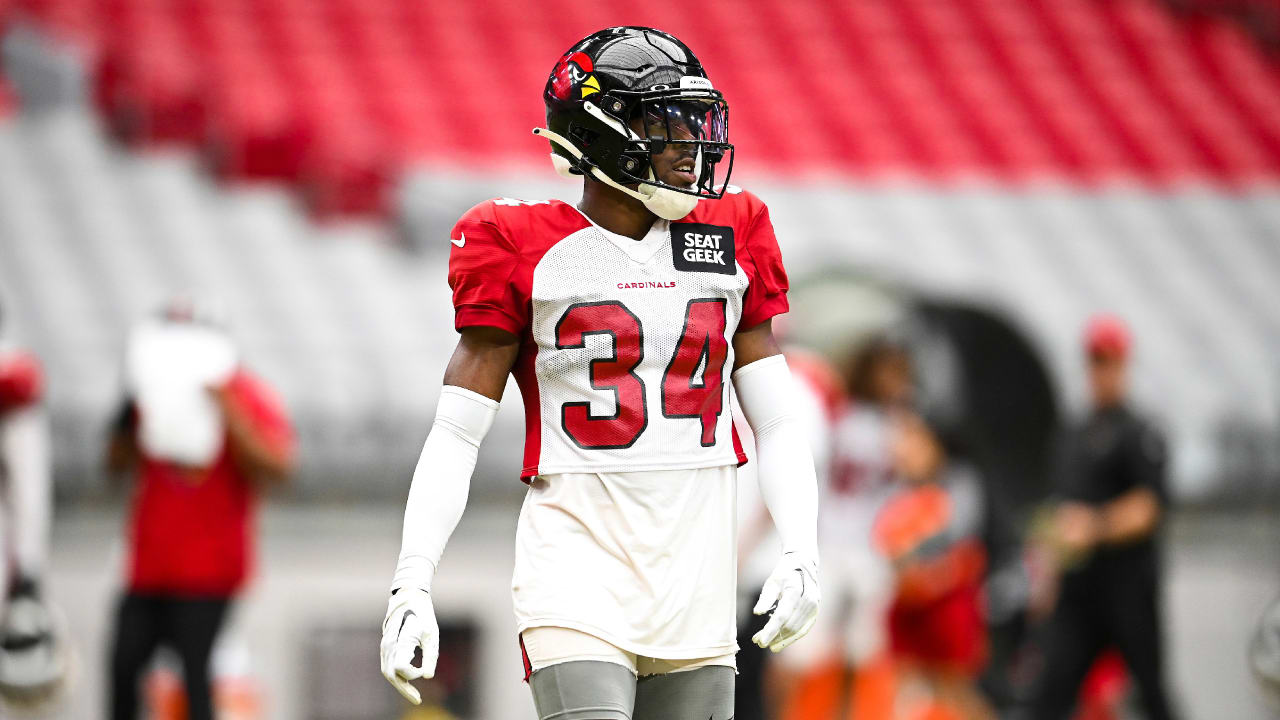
410 624
791 596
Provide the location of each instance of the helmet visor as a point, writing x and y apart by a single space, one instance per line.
687 121
696 121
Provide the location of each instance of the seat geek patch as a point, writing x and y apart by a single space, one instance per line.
702 248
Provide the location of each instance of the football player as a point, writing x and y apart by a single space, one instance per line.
33 655
624 319
881 384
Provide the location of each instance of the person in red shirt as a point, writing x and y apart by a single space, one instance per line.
930 532
205 437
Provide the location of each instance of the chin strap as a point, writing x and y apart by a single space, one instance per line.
666 204
596 172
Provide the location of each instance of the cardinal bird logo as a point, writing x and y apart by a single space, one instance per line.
573 70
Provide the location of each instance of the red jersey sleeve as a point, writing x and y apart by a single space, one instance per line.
21 382
766 294
266 410
482 269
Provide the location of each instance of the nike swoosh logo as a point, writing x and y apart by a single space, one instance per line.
403 618
461 242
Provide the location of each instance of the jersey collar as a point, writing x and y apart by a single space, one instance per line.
642 250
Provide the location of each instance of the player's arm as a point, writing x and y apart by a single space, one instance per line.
1130 517
122 441
473 385
25 459
482 361
759 343
263 449
491 306
788 484
1136 514
25 454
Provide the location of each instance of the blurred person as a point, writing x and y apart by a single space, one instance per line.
1104 689
1103 537
204 437
621 320
762 682
843 660
881 385
1264 654
930 529
33 656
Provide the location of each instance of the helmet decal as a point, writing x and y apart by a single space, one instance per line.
590 87
570 71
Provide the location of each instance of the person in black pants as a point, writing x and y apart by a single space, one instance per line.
187 625
1112 489
203 440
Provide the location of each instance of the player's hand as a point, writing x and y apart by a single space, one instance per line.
791 597
410 624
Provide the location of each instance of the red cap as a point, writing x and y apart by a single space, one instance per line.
1107 335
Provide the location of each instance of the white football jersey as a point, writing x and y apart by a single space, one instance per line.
861 477
626 344
628 528
642 560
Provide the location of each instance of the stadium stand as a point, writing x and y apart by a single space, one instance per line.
341 96
92 238
1042 160
8 100
1051 159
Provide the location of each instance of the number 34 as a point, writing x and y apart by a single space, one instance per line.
702 344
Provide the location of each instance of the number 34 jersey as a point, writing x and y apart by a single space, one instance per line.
626 345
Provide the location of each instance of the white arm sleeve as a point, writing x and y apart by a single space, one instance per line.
25 457
441 481
788 483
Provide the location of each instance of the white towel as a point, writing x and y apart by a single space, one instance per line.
169 369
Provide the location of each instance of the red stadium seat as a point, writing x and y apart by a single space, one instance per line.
302 89
151 91
8 99
347 170
254 132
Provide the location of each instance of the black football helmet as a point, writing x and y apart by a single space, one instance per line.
621 78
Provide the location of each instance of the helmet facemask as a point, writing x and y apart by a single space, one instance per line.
695 122
695 119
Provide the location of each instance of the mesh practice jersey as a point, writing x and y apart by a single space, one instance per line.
626 345
861 477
